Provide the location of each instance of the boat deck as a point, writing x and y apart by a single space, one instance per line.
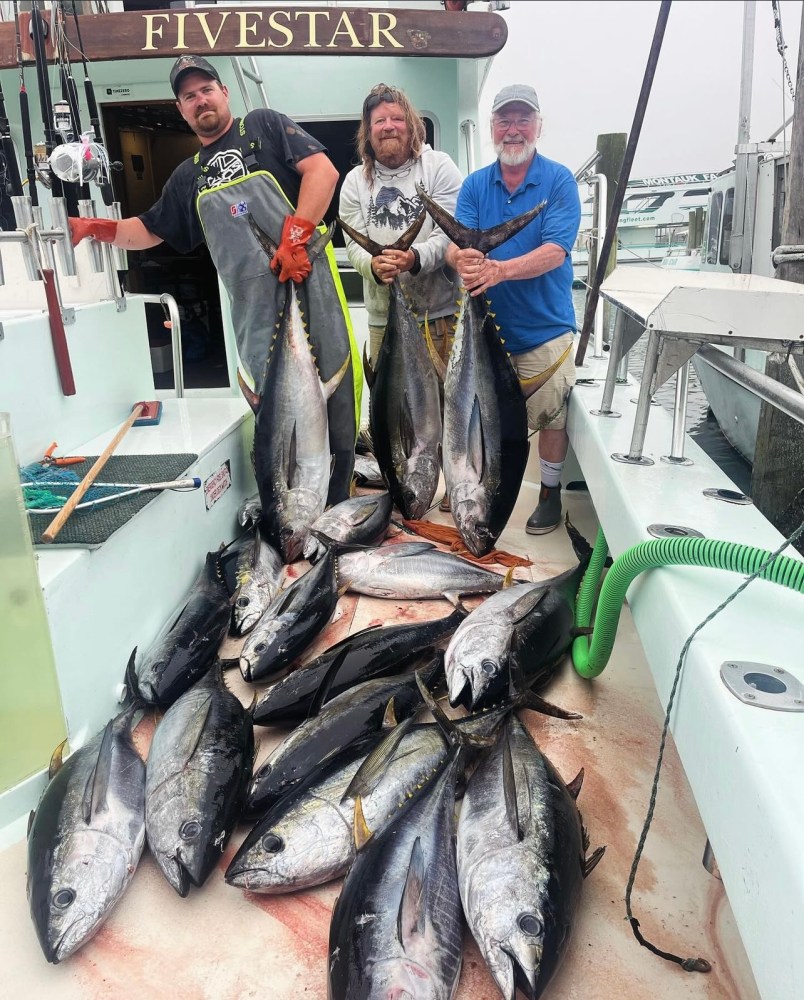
227 944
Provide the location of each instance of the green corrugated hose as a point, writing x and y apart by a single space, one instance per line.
590 660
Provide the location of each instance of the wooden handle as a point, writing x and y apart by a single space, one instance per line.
60 519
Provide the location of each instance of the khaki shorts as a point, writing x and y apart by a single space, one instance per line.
547 408
442 333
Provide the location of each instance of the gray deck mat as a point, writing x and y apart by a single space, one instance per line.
94 526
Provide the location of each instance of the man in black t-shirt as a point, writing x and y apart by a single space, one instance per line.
262 169
297 161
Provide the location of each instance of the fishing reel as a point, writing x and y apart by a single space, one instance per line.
80 162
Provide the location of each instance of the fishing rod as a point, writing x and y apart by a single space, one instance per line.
70 129
25 117
38 30
10 180
94 120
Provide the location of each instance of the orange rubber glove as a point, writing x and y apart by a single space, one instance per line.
291 260
103 230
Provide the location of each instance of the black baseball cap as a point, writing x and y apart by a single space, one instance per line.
184 64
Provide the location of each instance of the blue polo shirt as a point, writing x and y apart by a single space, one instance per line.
534 310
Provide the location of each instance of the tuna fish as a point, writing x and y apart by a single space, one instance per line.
521 861
372 652
485 446
397 927
361 520
257 580
519 634
291 622
292 460
371 707
414 571
86 838
405 406
199 766
187 645
306 839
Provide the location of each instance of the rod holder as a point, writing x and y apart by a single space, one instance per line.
58 213
23 213
86 209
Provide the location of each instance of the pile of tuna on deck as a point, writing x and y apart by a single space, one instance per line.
361 788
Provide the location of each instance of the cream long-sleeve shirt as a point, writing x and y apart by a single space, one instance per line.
383 209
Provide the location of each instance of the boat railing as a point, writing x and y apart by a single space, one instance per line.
685 316
173 318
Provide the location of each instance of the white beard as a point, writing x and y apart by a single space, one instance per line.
514 156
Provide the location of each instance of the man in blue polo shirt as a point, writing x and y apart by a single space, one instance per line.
528 278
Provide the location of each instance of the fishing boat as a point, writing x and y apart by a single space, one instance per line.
735 407
653 223
720 876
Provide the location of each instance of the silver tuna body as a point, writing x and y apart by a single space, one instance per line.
414 570
397 927
478 651
361 520
198 769
259 580
292 456
86 839
521 862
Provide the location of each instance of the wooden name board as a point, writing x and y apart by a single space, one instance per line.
276 31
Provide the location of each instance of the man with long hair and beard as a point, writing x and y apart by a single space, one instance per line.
529 278
379 200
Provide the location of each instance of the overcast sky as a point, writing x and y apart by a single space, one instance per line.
587 61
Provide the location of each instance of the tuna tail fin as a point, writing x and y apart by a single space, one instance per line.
363 241
262 238
320 242
251 396
369 371
590 863
405 241
483 240
371 246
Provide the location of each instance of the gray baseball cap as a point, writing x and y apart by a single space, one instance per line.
516 92
184 64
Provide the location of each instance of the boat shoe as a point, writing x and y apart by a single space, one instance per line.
547 515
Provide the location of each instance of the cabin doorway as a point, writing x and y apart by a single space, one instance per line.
149 141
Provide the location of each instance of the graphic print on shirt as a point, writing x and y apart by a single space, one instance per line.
226 165
392 209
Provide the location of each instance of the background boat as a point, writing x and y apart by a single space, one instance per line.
653 220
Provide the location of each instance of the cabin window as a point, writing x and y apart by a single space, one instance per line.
646 202
725 232
713 227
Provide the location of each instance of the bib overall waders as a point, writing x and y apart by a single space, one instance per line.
256 297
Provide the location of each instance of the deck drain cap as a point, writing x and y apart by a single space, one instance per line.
673 531
727 496
763 685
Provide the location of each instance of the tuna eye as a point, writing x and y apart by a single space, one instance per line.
190 829
272 844
243 602
489 667
63 898
259 648
529 924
